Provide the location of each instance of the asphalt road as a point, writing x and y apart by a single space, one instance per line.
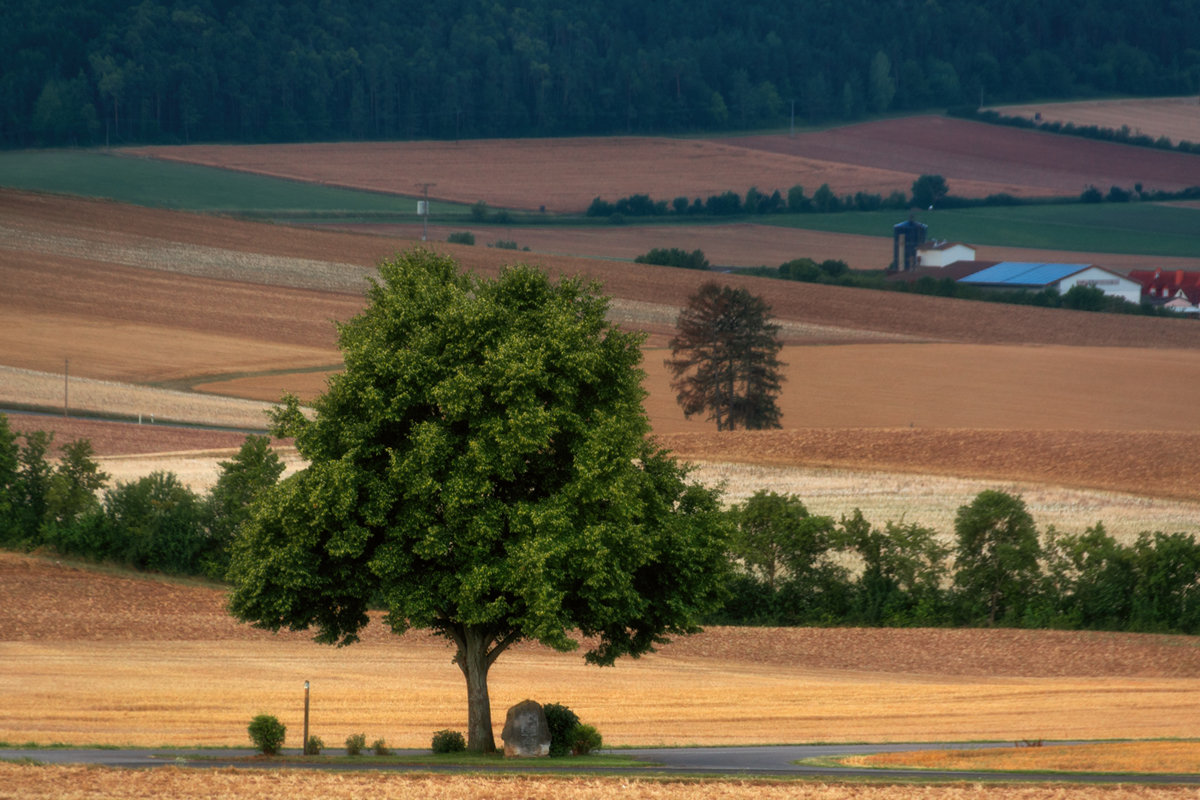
772 761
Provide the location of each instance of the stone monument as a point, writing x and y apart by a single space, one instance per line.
526 734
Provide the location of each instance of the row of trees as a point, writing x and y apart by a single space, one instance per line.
153 523
125 71
793 568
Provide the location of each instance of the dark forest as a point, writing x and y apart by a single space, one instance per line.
116 72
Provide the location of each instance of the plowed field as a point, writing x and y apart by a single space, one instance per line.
176 301
564 175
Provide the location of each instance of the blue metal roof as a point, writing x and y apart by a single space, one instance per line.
1024 273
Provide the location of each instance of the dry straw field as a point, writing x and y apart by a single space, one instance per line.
42 783
93 658
1177 118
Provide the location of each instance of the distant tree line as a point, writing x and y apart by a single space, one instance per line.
795 568
1121 135
120 71
154 523
928 191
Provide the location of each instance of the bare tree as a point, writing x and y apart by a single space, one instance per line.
724 359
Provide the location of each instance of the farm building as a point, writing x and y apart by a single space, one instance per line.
1062 277
914 234
943 254
1177 290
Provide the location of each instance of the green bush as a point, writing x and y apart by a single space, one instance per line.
313 746
561 721
505 244
446 741
380 748
355 743
267 733
584 739
462 237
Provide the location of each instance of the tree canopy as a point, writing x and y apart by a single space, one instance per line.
122 71
724 359
482 469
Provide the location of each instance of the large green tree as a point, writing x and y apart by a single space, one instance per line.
996 558
481 469
725 358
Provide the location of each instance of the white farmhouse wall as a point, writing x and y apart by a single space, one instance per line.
944 256
1108 282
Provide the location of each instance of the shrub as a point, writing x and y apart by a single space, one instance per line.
461 237
584 739
313 746
674 257
449 742
505 244
561 721
267 733
380 748
355 743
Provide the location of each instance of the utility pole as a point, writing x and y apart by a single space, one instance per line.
423 210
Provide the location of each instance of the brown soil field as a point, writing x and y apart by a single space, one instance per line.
967 153
43 783
181 301
1177 118
95 658
564 175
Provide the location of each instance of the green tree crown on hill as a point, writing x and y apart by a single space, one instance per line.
481 469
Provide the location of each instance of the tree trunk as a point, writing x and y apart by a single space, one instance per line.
472 659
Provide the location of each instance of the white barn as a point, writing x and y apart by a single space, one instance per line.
1063 277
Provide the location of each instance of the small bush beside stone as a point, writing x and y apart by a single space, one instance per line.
584 739
561 721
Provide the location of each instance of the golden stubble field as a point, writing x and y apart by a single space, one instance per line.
42 783
1177 118
94 658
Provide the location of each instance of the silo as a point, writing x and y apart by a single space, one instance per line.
914 234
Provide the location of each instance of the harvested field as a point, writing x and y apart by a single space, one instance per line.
1030 163
1169 757
1177 118
564 175
95 658
38 783
739 245
184 301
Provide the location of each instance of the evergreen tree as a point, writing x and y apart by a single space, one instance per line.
724 359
